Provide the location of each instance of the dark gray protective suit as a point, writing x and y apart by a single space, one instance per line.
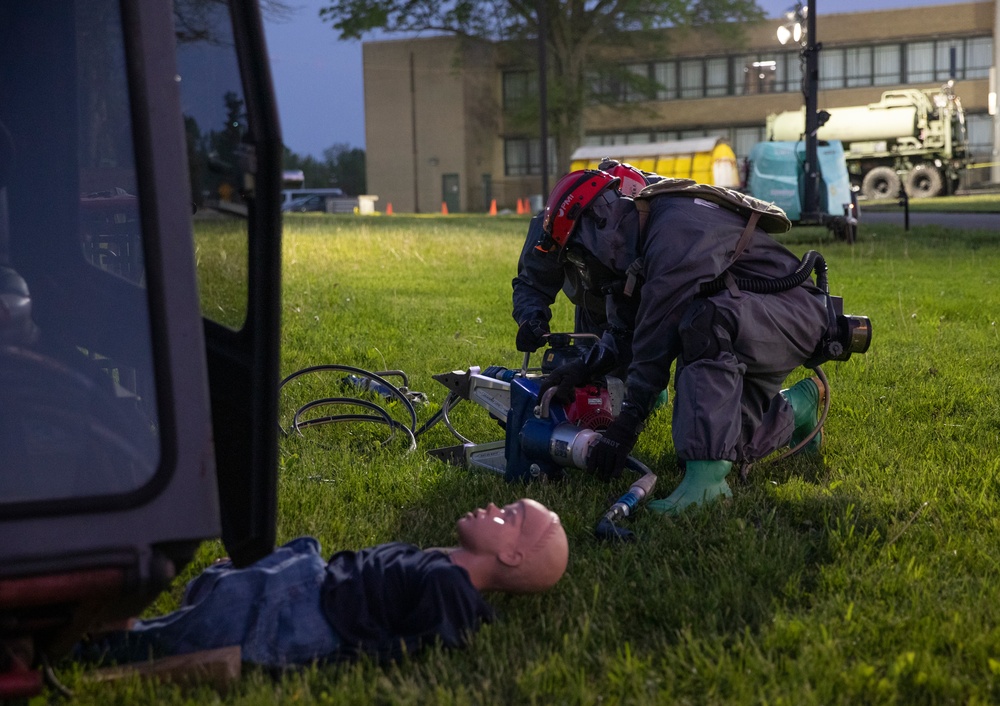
540 276
731 361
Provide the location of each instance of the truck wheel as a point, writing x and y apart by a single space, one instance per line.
924 181
880 183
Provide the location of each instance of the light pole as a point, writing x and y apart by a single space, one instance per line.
805 36
543 98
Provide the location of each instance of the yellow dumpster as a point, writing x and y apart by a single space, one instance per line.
708 160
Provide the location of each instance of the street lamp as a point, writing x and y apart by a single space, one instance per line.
800 27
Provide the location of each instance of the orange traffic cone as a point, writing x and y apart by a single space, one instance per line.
444 209
493 207
388 209
520 207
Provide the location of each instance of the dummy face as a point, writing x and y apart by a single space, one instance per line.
520 548
508 532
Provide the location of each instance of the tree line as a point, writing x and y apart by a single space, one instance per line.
342 167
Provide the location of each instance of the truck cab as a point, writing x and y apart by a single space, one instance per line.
137 391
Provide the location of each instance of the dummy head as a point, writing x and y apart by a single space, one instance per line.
519 548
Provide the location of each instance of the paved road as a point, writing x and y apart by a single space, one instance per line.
971 221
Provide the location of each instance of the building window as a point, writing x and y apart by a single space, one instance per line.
788 72
743 140
950 60
888 68
517 157
717 77
692 78
859 66
519 86
919 62
978 57
831 68
980 128
665 74
759 75
522 157
637 89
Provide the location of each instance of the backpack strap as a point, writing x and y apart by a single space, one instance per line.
746 235
642 207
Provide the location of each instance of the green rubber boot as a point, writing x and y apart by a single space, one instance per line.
703 481
806 398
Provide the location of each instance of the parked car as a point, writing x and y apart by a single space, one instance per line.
305 204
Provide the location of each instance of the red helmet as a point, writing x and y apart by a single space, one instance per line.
632 179
572 195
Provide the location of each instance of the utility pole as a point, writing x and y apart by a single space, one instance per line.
810 210
543 99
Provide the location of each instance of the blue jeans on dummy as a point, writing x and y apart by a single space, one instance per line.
271 609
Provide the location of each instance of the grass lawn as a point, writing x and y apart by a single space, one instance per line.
870 575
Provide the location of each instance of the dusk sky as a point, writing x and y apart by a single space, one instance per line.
318 78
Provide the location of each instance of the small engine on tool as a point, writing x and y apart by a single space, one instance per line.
541 438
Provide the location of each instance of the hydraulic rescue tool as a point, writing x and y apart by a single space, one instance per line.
542 439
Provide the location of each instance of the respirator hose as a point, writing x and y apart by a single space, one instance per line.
811 261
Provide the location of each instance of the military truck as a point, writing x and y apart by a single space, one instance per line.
138 409
911 137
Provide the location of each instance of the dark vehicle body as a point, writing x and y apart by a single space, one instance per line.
135 423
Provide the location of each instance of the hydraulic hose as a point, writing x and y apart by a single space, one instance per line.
627 503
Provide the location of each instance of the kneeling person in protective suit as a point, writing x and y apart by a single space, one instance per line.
733 349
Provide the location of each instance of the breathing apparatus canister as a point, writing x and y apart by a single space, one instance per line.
849 333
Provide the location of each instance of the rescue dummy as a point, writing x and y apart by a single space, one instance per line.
295 607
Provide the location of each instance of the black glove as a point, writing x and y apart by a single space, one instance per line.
608 454
531 335
566 378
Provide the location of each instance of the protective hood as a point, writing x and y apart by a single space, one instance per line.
609 231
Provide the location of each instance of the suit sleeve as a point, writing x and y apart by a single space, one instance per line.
539 278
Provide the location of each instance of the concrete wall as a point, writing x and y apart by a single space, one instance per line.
430 111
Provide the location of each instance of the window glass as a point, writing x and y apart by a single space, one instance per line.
919 62
831 68
523 157
636 92
887 67
744 138
665 74
692 81
859 66
980 129
78 416
717 76
790 72
518 86
978 57
950 60
758 75
515 157
219 157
